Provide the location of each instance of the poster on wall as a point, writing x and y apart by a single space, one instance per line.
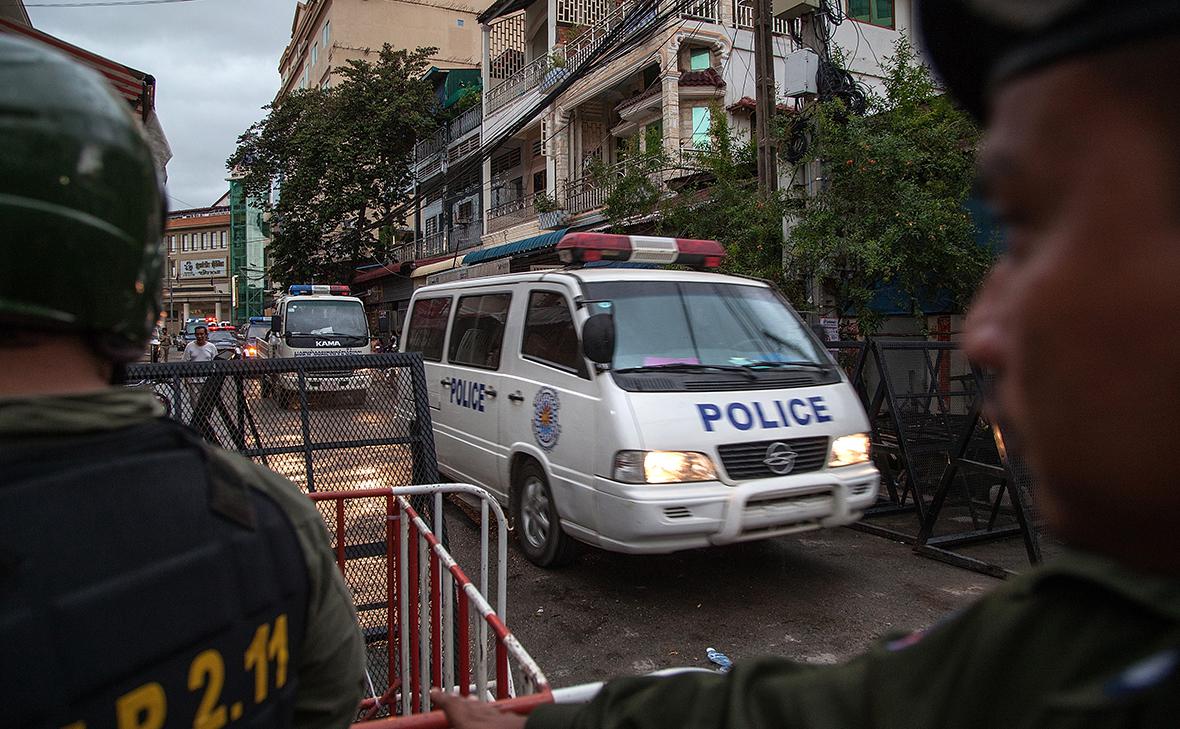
203 268
831 327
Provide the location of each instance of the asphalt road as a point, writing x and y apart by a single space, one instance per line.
817 597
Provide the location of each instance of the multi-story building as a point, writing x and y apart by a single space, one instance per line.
197 273
668 70
325 34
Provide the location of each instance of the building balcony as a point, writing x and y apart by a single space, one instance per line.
448 144
458 237
743 17
513 212
526 84
589 193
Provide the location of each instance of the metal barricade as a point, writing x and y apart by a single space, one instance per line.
418 628
375 435
949 485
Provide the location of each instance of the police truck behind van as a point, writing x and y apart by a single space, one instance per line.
314 320
640 410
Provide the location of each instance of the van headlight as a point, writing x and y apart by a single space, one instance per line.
663 467
848 450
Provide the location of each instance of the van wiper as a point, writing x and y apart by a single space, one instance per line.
779 364
689 367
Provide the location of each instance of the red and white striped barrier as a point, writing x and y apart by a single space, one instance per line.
428 631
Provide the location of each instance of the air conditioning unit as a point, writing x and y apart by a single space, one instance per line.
791 9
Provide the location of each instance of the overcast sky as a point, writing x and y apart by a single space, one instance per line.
215 63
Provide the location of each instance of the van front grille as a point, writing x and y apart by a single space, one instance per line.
744 461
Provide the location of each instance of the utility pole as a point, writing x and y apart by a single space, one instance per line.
813 33
764 95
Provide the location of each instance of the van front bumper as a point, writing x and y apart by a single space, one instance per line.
322 382
656 518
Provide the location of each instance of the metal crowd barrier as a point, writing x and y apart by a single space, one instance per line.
950 485
424 616
377 433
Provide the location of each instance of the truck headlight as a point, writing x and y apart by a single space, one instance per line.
663 467
849 449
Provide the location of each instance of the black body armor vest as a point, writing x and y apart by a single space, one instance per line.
141 586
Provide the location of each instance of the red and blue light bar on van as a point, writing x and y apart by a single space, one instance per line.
305 289
577 248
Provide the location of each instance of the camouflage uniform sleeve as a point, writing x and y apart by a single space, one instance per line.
765 692
332 663
1081 643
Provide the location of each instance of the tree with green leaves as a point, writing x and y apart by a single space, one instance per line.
889 211
340 163
890 207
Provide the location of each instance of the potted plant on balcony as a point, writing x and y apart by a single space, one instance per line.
550 214
557 71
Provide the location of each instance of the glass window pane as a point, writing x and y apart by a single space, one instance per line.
661 323
549 334
478 331
698 59
883 13
859 10
700 126
428 328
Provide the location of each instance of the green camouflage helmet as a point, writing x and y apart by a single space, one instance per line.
81 206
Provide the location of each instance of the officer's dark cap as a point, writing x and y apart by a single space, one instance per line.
974 45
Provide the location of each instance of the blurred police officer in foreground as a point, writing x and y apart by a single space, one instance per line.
146 578
1081 162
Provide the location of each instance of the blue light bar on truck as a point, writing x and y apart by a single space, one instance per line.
304 289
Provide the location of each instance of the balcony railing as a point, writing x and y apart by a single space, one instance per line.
513 212
743 17
591 192
707 10
426 149
465 122
433 244
457 238
519 83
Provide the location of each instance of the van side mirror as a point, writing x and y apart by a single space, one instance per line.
598 338
276 324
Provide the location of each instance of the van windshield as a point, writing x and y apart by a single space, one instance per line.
686 324
319 317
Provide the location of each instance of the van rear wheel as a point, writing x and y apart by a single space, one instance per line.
538 528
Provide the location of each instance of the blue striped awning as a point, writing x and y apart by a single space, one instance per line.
537 242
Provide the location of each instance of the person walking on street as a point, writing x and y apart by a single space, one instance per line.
200 349
1081 164
147 578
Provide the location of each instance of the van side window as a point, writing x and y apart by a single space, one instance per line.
478 331
428 328
549 334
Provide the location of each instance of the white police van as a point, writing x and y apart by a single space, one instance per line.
639 410
312 321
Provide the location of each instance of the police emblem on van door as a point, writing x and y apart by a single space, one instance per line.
546 429
780 458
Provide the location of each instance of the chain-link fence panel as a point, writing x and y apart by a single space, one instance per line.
330 423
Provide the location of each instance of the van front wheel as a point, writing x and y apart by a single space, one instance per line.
538 528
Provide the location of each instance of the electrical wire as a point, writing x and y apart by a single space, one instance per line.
102 3
612 44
